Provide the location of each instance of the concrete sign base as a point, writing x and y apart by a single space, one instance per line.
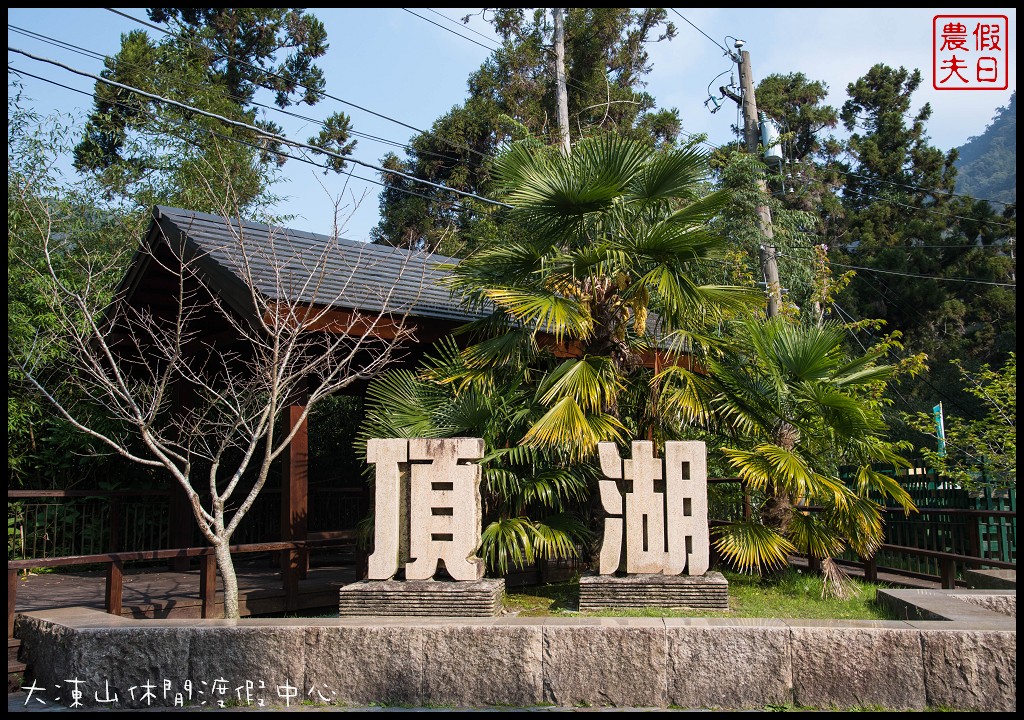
710 590
440 598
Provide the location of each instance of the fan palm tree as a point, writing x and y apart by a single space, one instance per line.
600 267
795 410
613 241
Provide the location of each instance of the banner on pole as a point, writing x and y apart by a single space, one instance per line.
940 430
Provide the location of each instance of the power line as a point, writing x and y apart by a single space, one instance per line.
99 56
724 49
932 191
259 131
254 146
922 189
924 247
59 43
463 25
923 277
936 212
320 92
889 296
893 386
485 47
568 80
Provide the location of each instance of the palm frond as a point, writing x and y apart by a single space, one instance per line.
752 546
860 522
812 535
590 381
399 405
514 347
685 392
560 316
805 353
566 425
555 191
558 536
553 488
674 245
836 583
789 470
670 175
864 376
522 456
753 467
508 262
501 482
870 480
840 412
505 541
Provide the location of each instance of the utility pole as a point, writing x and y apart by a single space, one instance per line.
751 136
561 98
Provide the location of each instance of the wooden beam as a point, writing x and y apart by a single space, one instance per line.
295 494
208 585
652 359
115 587
181 518
338 321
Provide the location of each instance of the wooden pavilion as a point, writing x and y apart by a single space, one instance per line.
238 262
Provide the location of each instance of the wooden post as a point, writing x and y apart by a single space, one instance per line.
295 498
208 585
115 574
871 569
974 539
12 602
180 517
948 566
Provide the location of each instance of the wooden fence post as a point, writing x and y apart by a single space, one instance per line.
948 566
208 585
12 594
115 574
871 569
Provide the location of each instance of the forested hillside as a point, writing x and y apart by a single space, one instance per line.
987 168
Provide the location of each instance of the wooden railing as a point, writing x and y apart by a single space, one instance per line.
947 561
207 573
61 523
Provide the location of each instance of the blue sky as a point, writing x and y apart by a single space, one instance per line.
404 66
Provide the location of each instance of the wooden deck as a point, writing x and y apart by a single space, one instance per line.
156 593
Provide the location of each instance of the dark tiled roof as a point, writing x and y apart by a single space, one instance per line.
345 273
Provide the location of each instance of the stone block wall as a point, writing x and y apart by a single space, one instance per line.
522 662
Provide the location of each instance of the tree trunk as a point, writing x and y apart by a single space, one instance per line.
227 573
777 511
561 95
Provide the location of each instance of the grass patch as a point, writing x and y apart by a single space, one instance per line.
792 594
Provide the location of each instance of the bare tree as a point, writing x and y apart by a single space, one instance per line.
199 349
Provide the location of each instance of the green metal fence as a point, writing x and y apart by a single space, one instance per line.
977 523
